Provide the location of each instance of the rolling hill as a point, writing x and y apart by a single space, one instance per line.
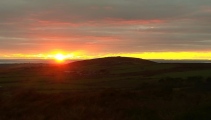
107 61
111 88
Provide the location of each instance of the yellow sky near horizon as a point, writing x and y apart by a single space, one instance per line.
143 55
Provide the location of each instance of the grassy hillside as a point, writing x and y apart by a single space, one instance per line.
111 88
114 61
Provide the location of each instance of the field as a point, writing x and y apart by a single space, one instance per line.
113 88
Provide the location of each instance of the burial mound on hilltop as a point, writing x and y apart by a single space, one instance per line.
113 61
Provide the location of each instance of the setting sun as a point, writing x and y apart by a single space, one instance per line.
59 57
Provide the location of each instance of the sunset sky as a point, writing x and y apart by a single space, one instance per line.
151 29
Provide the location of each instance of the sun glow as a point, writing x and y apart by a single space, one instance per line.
59 57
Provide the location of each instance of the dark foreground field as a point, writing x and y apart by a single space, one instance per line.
114 88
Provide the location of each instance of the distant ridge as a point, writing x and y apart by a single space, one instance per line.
108 61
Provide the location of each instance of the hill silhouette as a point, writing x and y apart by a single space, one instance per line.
110 88
112 61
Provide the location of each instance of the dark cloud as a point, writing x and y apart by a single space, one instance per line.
110 26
